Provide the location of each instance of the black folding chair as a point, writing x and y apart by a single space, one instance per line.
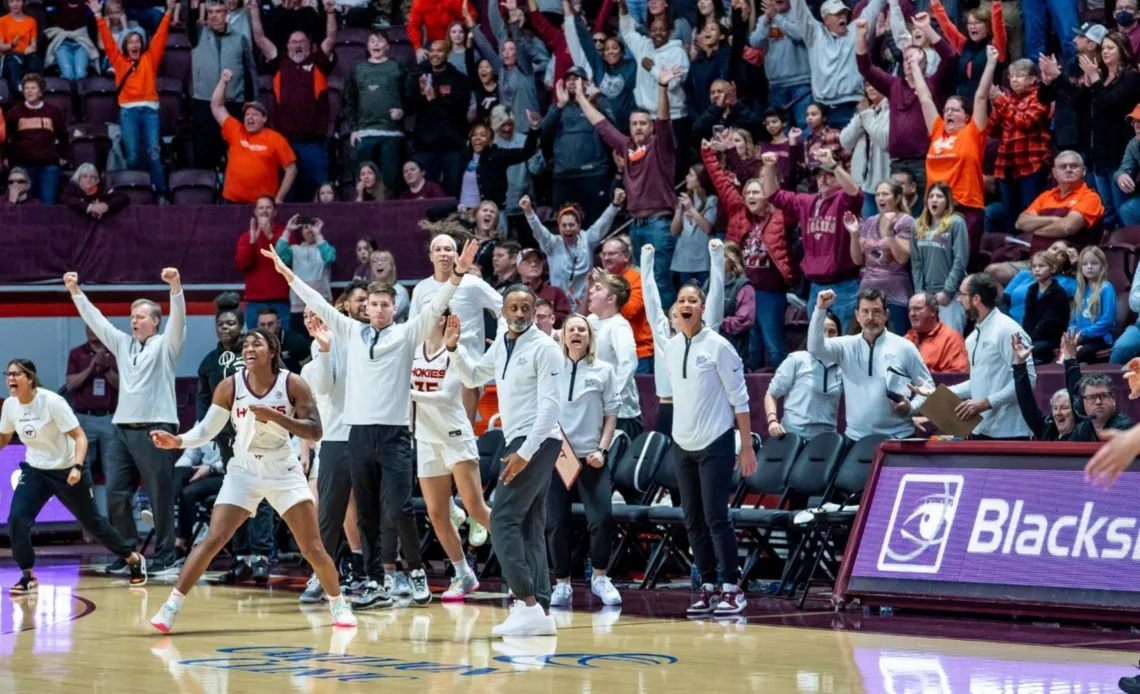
757 523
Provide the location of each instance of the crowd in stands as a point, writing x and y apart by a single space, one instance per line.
955 167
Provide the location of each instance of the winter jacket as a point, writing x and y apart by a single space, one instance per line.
441 124
433 17
738 116
74 197
491 172
741 221
703 71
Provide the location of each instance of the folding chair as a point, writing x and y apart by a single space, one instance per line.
758 523
635 478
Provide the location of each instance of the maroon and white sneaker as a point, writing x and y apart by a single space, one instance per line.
707 601
731 602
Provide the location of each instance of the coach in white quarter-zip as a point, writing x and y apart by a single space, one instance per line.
990 390
876 365
147 361
377 410
527 368
709 393
616 345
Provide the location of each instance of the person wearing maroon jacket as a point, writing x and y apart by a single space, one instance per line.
263 286
827 259
301 97
419 188
908 139
37 139
88 196
535 273
649 157
92 381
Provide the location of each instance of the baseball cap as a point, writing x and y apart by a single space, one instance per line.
526 252
255 105
1090 30
1135 115
833 7
577 71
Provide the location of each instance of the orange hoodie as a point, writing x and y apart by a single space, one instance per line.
141 84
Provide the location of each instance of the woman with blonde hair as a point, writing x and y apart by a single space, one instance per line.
383 269
589 419
939 252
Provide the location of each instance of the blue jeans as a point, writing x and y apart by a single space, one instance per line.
840 115
900 319
72 60
793 98
446 169
385 152
142 143
870 207
312 168
1127 346
147 17
1127 206
655 232
644 365
252 308
846 296
1018 193
45 183
1106 189
995 220
766 338
16 66
1039 15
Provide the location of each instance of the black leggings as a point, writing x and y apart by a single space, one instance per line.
35 489
705 478
594 487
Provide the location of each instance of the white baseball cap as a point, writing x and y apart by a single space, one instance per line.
833 7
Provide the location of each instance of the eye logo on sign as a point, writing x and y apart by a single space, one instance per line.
920 524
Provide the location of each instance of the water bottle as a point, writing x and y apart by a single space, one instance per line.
589 570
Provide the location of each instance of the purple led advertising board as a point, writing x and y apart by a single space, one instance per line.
1040 535
10 457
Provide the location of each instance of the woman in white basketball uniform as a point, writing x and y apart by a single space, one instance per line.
445 450
53 466
589 418
266 405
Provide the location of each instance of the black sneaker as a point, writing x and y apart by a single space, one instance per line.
156 569
239 572
118 568
27 585
138 572
374 597
261 571
1131 685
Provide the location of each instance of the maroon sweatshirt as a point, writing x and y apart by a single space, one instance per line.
649 170
36 136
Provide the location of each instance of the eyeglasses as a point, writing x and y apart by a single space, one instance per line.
18 181
1098 397
14 374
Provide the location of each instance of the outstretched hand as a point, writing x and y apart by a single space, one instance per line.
467 258
451 332
278 264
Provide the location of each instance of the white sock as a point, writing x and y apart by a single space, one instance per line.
336 602
461 568
176 598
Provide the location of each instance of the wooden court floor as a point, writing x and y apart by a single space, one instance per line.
89 633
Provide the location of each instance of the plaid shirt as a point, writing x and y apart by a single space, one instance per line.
1021 126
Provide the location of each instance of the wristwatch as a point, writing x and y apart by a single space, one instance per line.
78 466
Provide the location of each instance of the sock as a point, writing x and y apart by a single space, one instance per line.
176 598
336 602
461 568
356 561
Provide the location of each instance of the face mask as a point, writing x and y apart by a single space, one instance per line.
1125 18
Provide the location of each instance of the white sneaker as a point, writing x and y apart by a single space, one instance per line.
458 516
401 585
562 595
527 621
421 593
164 619
341 612
604 589
477 535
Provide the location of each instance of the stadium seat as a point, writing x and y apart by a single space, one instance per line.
90 144
57 92
404 54
5 96
135 184
177 61
351 36
634 477
336 97
99 98
169 104
347 56
193 187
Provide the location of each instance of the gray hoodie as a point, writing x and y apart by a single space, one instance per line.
786 62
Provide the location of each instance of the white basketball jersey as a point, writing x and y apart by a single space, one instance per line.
260 440
442 420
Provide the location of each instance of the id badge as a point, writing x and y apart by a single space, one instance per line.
99 387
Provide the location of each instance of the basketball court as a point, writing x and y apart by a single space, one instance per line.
89 633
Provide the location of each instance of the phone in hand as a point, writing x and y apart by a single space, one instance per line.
718 132
895 397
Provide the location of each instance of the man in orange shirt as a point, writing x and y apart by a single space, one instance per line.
18 45
257 154
1071 211
616 260
941 347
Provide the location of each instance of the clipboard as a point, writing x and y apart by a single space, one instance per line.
567 465
939 408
